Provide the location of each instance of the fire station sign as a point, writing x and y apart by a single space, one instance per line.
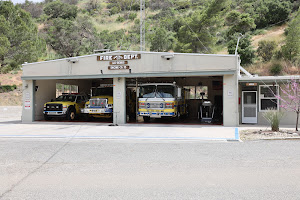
122 62
117 67
119 57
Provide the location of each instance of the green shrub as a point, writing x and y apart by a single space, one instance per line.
132 16
273 117
120 19
276 69
14 65
6 69
7 88
266 49
114 10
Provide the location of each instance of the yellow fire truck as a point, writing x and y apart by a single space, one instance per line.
157 100
100 104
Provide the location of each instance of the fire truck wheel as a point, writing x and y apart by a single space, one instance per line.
71 113
146 118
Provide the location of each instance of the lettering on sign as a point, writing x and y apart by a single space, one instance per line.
119 57
251 84
118 62
27 105
118 67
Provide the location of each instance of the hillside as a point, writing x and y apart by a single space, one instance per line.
12 98
65 28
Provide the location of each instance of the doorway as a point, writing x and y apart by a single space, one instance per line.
249 107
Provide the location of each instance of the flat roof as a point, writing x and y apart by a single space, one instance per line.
268 78
136 52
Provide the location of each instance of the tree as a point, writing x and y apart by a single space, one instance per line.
19 39
35 9
271 12
266 49
161 40
198 34
290 98
245 49
72 38
58 9
291 49
239 23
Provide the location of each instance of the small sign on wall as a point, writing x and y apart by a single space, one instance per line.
118 62
27 96
27 105
230 93
118 67
119 94
119 57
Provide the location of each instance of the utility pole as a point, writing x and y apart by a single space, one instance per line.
142 26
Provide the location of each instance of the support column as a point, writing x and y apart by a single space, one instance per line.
230 101
28 111
119 100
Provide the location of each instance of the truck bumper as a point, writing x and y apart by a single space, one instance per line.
157 114
55 113
95 111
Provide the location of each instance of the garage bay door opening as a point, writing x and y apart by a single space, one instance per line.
89 100
179 100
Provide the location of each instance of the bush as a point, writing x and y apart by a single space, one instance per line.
7 88
132 16
114 10
6 69
266 49
276 69
273 117
120 19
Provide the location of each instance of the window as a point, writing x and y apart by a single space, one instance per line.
61 88
267 99
195 92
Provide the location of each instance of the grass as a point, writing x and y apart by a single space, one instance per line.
275 33
263 68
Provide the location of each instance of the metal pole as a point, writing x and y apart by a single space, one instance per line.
237 44
136 100
142 25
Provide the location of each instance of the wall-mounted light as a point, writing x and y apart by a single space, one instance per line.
129 71
101 71
73 60
168 56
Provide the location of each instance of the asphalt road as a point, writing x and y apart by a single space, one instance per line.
148 169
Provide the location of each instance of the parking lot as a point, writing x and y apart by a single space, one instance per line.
11 126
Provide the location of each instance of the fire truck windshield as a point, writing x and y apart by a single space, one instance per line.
102 91
157 91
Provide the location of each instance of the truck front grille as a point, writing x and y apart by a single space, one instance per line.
99 103
156 105
53 107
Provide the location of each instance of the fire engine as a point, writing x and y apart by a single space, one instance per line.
100 104
157 100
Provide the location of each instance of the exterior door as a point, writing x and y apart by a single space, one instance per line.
249 107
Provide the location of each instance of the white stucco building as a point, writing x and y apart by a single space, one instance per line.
219 75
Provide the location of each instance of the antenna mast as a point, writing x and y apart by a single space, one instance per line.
142 25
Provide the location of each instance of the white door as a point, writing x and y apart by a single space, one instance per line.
249 107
